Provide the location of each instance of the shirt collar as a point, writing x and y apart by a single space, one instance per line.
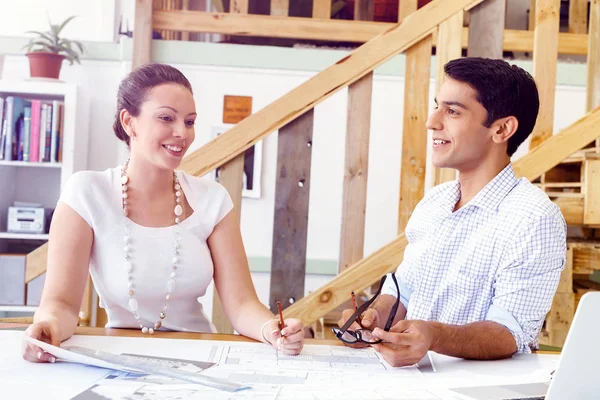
496 190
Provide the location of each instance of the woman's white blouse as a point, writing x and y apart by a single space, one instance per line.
96 197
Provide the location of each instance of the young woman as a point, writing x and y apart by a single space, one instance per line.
151 236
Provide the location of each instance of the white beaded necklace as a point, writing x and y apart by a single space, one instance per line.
129 266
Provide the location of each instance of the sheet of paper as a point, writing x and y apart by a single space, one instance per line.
122 385
103 359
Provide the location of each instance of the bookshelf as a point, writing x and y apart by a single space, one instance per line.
41 182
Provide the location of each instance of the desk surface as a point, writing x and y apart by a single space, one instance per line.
88 331
341 371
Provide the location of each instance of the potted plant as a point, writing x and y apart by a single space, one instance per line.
47 50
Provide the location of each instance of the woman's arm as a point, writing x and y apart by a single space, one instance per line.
236 290
69 249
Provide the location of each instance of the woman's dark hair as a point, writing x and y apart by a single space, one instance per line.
134 88
503 90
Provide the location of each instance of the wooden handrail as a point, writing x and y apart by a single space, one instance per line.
331 30
306 96
364 273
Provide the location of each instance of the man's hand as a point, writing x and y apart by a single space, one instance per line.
407 342
369 320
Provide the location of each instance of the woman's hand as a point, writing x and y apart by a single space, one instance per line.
46 331
290 339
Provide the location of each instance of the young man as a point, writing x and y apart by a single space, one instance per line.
485 252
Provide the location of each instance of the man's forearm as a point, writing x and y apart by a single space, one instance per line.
484 340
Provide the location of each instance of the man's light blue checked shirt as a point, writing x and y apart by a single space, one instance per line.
498 258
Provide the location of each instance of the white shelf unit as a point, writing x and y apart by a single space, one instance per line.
19 309
24 236
42 182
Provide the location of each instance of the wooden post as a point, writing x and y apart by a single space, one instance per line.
356 171
591 180
321 9
142 33
357 159
239 6
486 29
85 312
593 60
405 8
231 177
561 314
363 10
531 15
578 16
448 48
185 5
545 56
414 132
292 190
280 8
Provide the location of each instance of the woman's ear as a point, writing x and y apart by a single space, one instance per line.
127 122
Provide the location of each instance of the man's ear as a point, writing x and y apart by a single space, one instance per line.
504 129
127 122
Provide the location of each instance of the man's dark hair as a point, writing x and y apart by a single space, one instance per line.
503 90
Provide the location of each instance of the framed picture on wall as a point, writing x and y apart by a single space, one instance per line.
251 179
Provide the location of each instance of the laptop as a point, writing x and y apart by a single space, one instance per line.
576 374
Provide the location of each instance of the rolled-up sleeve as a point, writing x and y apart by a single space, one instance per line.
528 278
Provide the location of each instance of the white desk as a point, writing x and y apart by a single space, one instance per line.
24 380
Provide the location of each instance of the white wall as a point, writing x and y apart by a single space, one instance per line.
100 80
95 18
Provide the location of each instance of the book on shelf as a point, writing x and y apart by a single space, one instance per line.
32 129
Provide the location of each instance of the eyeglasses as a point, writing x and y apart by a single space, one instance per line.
365 335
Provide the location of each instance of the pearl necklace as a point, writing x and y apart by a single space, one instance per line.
129 266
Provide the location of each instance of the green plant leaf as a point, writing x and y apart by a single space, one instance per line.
44 35
66 21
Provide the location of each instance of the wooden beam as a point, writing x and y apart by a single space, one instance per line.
593 59
545 58
280 8
239 7
405 8
231 177
356 171
292 191
486 29
142 33
320 87
363 10
591 206
531 25
568 43
35 263
321 9
559 147
358 277
414 132
329 30
362 274
578 14
448 48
